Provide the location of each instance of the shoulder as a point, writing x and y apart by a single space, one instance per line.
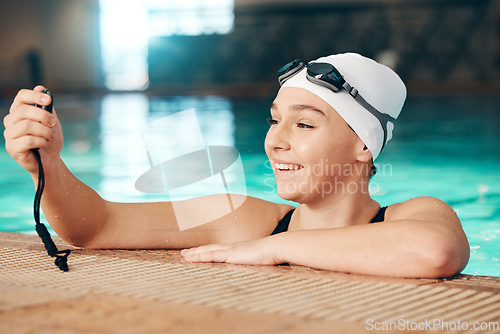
241 204
442 240
264 215
422 208
257 206
224 218
252 217
267 211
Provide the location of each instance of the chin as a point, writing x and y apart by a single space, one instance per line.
294 196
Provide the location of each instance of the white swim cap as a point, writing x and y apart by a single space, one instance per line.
376 83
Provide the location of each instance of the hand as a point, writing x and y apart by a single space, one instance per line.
28 127
257 251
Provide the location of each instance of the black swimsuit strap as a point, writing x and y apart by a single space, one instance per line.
285 221
379 217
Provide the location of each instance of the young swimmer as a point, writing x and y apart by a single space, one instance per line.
322 141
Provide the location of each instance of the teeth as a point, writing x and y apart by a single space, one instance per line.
287 166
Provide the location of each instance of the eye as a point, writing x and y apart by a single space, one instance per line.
304 126
272 121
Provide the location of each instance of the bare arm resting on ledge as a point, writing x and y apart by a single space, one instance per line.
421 237
429 242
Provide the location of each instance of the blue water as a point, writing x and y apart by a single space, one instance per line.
447 147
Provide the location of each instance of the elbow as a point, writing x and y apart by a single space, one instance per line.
89 242
93 234
83 239
76 241
444 257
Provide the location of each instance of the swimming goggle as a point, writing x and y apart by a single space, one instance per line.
326 75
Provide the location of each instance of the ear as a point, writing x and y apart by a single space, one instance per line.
364 153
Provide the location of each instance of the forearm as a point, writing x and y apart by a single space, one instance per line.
394 248
75 211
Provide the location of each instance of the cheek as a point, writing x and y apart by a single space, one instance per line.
320 144
329 149
267 146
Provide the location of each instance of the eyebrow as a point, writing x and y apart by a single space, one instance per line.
299 107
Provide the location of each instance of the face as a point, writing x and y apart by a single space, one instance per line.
309 145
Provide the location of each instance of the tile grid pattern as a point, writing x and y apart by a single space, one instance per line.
316 298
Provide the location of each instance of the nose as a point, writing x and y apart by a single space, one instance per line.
278 138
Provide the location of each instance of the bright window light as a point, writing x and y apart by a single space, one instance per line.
124 38
191 17
126 26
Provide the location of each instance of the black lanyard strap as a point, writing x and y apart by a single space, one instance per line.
61 256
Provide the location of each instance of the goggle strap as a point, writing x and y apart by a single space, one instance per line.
351 90
321 82
383 118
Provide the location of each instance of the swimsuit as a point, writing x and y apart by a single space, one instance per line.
285 221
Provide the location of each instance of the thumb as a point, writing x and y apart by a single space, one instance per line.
39 88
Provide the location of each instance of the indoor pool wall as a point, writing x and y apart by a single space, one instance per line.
447 147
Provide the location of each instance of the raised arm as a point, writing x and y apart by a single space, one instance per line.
82 218
422 237
74 211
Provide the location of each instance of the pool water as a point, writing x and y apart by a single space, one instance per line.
443 146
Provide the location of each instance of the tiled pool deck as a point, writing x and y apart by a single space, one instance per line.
141 291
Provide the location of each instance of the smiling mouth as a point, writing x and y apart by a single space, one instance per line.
288 167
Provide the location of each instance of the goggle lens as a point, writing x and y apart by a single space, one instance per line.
290 69
326 72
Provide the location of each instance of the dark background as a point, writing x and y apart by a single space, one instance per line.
440 46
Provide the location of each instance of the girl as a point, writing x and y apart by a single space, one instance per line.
329 121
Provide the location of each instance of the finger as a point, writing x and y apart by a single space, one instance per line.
28 128
208 256
28 112
39 88
26 96
23 144
204 248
